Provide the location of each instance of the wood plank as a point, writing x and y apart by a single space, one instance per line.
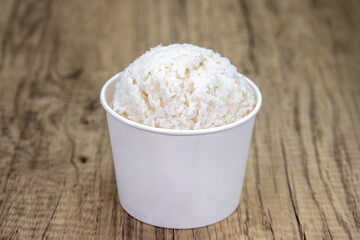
56 173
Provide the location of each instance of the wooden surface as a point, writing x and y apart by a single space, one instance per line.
56 172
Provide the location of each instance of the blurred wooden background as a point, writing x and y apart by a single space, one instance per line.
56 172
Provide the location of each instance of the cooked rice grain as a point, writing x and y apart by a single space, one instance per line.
182 86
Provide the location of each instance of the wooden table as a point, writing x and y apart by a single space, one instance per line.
56 173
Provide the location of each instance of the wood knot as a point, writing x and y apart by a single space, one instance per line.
83 159
84 121
92 105
74 74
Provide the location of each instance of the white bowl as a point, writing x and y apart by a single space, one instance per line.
178 178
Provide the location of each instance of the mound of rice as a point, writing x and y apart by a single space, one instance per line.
182 86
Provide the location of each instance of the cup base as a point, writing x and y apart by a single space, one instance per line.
166 224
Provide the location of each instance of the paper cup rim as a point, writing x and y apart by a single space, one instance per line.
178 132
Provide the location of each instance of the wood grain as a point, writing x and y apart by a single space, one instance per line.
56 172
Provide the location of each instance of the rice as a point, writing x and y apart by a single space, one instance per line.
182 86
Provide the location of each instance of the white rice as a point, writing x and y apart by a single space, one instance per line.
182 86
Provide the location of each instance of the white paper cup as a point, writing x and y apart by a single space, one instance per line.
178 178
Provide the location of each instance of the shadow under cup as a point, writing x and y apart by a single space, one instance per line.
178 178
